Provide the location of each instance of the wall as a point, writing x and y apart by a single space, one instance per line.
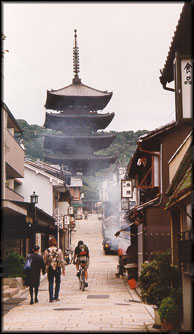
14 155
177 158
171 142
187 301
42 187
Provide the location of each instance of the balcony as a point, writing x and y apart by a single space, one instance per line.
14 157
11 195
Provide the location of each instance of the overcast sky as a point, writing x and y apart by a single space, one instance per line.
122 47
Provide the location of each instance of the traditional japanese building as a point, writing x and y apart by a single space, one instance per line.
75 116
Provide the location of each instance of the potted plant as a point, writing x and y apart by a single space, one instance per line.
169 314
157 281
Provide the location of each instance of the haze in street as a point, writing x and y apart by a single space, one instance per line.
123 46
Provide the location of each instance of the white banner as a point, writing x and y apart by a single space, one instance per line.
186 83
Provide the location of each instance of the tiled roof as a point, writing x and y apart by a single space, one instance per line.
79 90
157 131
181 42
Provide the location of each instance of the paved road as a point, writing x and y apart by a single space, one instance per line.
108 304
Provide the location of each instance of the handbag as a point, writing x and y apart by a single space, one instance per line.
28 264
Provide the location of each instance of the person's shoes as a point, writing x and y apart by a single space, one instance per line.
78 274
51 300
31 302
56 299
86 284
36 300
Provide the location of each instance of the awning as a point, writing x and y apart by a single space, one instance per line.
183 190
77 205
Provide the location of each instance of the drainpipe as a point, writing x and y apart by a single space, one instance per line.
170 89
163 82
3 173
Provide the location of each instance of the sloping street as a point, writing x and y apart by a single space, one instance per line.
108 304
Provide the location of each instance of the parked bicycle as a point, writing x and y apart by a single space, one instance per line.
68 256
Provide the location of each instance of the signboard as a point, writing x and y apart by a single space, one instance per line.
186 83
70 210
66 219
124 203
126 189
183 67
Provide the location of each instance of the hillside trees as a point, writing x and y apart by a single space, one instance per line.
122 147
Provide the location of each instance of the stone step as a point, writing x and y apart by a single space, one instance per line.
8 292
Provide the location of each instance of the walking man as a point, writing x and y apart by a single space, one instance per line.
54 262
32 278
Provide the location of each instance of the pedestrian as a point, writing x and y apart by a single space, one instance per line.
32 278
54 262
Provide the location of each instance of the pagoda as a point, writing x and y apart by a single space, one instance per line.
75 116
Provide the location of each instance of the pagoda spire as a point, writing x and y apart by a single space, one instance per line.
76 79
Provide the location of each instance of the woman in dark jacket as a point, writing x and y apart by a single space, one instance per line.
33 276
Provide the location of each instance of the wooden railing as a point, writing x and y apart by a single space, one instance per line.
185 240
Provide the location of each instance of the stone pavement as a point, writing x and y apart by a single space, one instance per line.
108 304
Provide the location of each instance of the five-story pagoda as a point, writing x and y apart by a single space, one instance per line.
76 119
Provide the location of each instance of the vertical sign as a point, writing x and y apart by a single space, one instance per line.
70 210
186 83
126 188
66 219
183 67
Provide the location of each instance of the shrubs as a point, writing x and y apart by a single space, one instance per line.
13 265
169 310
158 279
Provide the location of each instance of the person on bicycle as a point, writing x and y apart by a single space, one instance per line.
81 253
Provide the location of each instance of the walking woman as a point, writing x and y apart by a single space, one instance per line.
33 276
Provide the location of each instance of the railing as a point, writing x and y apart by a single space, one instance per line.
185 240
11 195
14 156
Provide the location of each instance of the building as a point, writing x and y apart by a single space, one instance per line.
179 67
18 213
53 199
12 168
180 208
161 170
148 168
75 118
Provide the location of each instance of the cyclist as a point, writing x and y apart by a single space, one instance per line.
81 253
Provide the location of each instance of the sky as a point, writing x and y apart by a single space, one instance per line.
122 47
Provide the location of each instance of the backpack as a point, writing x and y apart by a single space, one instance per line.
82 250
54 258
28 264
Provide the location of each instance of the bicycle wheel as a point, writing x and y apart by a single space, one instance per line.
82 280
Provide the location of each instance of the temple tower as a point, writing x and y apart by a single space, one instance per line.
75 115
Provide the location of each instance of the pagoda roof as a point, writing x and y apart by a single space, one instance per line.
82 162
77 96
93 120
77 142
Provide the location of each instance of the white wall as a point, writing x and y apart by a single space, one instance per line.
42 187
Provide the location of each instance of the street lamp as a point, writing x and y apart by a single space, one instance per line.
34 201
34 198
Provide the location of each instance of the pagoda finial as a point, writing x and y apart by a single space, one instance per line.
76 78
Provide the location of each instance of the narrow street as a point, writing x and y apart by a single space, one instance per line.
108 304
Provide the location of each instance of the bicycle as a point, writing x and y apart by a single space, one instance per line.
82 279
